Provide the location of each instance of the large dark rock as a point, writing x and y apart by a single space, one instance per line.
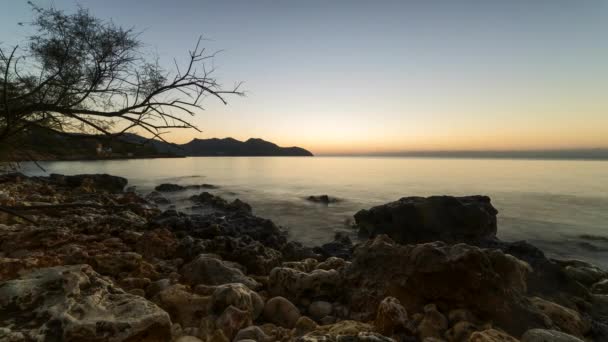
488 282
436 218
216 202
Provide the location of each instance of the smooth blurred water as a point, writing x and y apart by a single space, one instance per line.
553 204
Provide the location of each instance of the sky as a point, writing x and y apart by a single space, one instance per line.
383 76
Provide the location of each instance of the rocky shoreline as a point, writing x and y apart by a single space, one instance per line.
90 262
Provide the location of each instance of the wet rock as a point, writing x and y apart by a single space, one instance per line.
282 312
341 247
74 303
185 307
492 335
319 309
391 317
239 296
436 218
211 271
168 187
233 224
294 284
488 282
584 273
542 335
157 198
323 199
567 320
217 202
294 251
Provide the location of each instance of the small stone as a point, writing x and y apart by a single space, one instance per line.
282 312
319 309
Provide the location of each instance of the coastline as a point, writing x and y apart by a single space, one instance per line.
246 272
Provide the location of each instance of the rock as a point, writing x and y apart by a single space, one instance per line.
239 296
489 283
583 272
93 182
257 258
282 312
491 335
461 331
157 198
158 243
168 187
433 324
332 263
344 331
185 308
459 315
391 317
74 303
294 251
601 287
323 199
232 320
341 247
157 286
294 284
303 326
319 309
253 333
188 339
217 202
542 335
436 218
210 271
567 320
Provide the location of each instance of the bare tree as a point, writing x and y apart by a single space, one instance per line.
79 74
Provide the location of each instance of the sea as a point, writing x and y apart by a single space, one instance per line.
560 206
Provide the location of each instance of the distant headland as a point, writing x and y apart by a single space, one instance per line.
43 145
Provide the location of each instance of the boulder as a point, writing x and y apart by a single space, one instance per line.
219 203
157 198
74 303
542 335
252 333
489 283
426 219
168 187
433 323
323 199
282 312
158 243
232 320
208 270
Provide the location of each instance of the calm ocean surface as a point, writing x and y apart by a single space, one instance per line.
561 206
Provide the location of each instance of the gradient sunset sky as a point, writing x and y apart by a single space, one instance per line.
384 76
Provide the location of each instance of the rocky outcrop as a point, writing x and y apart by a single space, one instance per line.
488 282
96 182
73 303
437 218
215 202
